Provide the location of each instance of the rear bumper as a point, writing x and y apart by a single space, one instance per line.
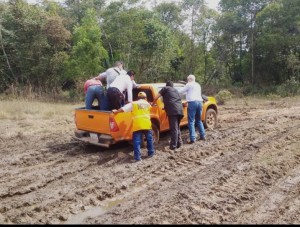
101 140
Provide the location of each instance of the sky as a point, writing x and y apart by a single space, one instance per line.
211 3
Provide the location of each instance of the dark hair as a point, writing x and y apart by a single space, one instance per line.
169 83
131 73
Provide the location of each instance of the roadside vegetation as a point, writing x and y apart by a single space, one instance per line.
247 47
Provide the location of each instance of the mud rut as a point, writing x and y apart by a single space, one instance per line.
247 171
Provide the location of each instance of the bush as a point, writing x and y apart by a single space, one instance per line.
290 88
222 96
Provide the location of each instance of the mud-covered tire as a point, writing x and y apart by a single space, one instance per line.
155 135
210 120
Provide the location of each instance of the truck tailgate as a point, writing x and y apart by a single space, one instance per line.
92 120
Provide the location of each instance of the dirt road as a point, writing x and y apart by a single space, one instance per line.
247 171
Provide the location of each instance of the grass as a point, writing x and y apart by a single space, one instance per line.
24 109
23 118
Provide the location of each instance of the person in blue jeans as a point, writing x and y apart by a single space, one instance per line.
195 102
94 90
141 124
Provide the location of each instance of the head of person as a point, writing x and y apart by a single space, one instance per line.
191 78
169 83
131 74
142 95
119 64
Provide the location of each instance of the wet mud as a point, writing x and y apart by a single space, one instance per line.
246 172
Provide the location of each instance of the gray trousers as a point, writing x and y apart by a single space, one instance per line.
174 123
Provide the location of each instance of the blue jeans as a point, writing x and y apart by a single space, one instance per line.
194 119
96 92
137 137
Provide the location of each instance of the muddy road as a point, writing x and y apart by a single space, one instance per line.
246 172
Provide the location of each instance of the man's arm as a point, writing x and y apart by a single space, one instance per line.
184 89
127 108
101 76
117 111
134 84
156 97
129 91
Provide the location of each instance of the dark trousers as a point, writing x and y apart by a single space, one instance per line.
115 98
174 123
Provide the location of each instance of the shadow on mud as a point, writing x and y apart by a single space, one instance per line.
120 153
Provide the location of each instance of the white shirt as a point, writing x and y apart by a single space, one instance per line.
128 107
193 92
110 75
123 82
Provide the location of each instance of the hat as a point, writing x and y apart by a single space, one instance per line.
142 95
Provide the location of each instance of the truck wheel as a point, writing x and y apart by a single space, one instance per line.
210 119
155 134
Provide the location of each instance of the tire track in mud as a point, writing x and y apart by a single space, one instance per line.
245 156
221 163
277 202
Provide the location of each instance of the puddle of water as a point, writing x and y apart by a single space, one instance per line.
108 205
93 212
79 218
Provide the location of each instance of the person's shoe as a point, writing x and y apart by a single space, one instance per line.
190 142
169 149
179 145
202 138
150 156
137 160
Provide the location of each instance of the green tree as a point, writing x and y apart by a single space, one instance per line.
278 42
169 14
87 54
31 39
138 37
242 35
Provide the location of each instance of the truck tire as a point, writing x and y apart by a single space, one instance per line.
155 134
210 120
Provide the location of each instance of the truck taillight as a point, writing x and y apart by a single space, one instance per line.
113 125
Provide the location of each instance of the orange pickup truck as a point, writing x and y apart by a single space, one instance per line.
104 128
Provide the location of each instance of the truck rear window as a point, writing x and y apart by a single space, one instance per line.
147 91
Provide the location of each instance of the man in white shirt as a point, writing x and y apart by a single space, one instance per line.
195 103
116 89
110 74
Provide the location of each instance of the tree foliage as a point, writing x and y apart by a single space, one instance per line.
48 46
87 52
